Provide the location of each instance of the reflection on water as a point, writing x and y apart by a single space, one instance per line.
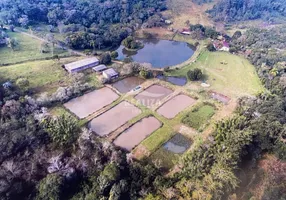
181 81
160 53
127 84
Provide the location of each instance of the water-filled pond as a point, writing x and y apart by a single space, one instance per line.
178 144
160 53
127 84
181 81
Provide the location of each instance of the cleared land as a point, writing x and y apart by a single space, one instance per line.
42 74
182 11
28 49
127 84
114 118
234 79
138 132
153 95
89 103
175 105
199 116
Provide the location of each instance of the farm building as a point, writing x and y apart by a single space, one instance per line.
110 74
81 64
99 68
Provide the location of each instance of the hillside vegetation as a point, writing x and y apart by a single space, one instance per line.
238 10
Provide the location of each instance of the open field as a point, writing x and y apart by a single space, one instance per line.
44 75
182 11
199 116
28 49
89 103
234 79
136 133
152 95
175 105
114 118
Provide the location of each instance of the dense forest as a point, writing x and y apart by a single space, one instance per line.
239 10
87 23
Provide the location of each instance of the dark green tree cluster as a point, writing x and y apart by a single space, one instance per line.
195 74
238 10
131 43
87 24
201 32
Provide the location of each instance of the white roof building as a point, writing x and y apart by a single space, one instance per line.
81 64
110 74
99 68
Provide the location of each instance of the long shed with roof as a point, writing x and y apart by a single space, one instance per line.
81 64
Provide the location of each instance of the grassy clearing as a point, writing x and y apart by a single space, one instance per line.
185 10
234 79
199 116
43 75
28 49
167 158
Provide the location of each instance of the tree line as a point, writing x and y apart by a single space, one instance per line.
86 23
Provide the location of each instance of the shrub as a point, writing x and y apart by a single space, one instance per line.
195 74
211 47
63 130
105 58
114 54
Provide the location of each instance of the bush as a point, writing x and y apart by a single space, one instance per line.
114 54
144 74
211 47
105 59
63 130
195 74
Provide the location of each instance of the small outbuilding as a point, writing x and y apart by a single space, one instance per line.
110 74
99 68
81 64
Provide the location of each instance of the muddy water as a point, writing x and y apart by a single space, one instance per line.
114 118
91 102
127 84
153 95
178 144
136 133
160 53
181 81
175 105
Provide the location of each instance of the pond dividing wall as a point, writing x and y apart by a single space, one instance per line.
131 137
91 102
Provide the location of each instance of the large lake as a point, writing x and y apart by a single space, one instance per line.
160 53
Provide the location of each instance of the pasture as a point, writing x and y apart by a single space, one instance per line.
235 78
27 50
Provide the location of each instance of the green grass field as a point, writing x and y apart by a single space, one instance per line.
43 75
199 116
28 49
234 79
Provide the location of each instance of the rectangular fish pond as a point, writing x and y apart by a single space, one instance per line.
169 153
175 80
